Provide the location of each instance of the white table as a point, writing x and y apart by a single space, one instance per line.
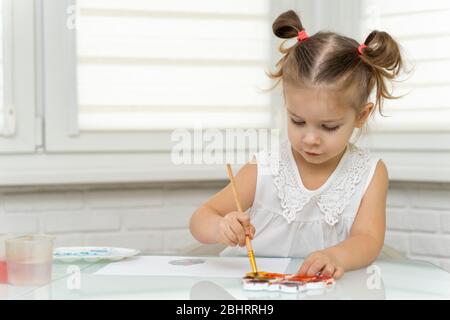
385 279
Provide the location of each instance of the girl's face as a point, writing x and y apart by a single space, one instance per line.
319 123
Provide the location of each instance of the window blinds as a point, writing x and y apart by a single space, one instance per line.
423 31
161 65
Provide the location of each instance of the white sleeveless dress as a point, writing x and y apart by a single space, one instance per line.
293 221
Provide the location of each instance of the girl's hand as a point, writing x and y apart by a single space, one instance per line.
323 263
233 227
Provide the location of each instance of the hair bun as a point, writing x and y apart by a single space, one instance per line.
287 25
383 52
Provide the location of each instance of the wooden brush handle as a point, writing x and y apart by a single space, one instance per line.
248 244
233 187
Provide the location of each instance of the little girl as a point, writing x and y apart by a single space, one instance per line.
325 198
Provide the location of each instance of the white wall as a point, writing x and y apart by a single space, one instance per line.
154 217
418 219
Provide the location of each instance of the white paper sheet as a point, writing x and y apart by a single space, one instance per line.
215 267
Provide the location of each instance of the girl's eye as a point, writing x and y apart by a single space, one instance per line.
331 129
297 123
301 123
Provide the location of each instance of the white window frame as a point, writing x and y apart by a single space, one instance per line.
22 124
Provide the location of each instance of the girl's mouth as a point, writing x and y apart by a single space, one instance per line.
312 154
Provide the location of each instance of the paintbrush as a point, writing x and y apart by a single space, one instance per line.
248 244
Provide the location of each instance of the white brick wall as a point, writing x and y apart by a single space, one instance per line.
418 221
154 217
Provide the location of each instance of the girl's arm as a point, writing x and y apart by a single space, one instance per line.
205 222
366 236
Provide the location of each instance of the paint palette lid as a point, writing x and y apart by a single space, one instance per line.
92 254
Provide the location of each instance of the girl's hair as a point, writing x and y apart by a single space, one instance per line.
332 60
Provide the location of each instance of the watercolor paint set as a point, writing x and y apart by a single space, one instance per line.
287 283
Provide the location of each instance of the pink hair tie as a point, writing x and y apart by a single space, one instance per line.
302 35
361 46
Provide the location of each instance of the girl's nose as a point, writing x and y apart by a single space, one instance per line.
311 138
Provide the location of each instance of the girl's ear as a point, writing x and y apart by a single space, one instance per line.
362 117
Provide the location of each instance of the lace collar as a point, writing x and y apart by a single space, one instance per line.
332 197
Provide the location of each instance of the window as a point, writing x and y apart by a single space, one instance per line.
135 70
415 138
426 106
91 90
